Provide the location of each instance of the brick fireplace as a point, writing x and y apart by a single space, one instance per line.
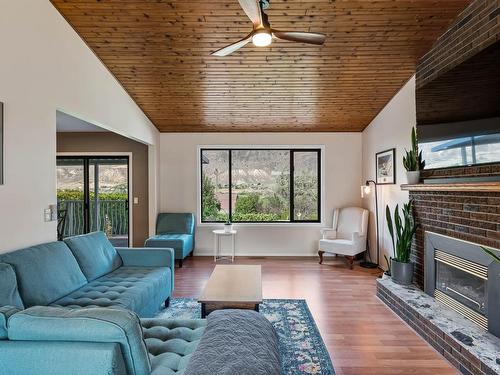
456 210
466 215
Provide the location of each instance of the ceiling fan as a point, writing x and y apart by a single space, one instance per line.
262 34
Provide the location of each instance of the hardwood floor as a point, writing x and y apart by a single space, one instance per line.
363 336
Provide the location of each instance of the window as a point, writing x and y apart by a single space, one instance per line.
260 185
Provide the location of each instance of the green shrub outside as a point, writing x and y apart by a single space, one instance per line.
248 204
77 195
274 206
211 205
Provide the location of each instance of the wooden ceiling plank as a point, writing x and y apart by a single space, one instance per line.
160 53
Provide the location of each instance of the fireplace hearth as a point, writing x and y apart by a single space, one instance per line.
462 276
467 346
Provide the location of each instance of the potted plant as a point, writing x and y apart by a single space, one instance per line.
402 233
228 226
412 161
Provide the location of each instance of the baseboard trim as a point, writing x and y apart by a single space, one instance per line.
259 255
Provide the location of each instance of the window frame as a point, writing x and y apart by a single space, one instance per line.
319 150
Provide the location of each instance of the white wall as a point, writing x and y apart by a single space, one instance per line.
342 178
45 66
390 129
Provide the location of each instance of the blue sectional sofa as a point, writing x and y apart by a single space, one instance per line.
45 340
87 271
176 231
74 307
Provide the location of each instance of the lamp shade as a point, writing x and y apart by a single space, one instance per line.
365 190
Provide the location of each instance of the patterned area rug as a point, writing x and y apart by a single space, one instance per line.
302 348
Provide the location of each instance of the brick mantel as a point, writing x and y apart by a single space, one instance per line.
472 187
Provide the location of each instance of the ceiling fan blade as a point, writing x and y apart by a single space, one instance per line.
300 36
253 11
233 47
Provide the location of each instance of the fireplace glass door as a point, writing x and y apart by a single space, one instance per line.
462 286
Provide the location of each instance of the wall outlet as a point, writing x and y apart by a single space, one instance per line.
136 200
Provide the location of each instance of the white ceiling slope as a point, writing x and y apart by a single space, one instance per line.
70 124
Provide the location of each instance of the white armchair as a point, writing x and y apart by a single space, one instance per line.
348 234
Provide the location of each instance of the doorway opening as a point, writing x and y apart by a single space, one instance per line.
93 194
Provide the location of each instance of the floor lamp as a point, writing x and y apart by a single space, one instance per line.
365 190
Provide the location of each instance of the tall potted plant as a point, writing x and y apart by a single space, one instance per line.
402 233
412 161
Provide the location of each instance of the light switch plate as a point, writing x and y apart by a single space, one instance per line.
53 212
136 200
47 214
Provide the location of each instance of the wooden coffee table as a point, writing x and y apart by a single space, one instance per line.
232 287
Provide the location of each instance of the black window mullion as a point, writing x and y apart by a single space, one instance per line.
319 185
201 185
86 195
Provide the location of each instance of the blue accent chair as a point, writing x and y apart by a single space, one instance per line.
87 271
176 231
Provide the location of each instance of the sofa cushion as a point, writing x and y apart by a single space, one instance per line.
181 243
41 323
94 253
171 343
5 313
175 223
9 295
45 272
61 358
130 288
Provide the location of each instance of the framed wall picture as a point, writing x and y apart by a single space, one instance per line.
385 167
1 143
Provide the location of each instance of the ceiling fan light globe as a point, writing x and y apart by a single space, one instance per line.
262 39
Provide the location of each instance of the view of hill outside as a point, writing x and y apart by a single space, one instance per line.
260 185
112 178
108 210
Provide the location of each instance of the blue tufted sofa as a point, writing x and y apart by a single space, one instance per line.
46 340
99 341
87 271
52 321
176 231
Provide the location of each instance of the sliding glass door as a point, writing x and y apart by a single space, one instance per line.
93 195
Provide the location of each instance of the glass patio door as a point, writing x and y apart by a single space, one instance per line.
93 195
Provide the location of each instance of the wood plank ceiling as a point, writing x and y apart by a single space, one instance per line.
160 52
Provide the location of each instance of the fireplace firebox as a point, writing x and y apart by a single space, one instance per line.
462 276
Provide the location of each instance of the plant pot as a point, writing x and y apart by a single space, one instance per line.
228 228
401 273
413 177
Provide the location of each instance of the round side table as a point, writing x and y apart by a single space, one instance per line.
218 233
